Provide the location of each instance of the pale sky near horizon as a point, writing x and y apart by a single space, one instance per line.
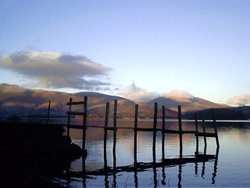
134 48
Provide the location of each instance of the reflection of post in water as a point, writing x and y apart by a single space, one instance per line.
179 176
203 169
163 181
106 180
215 165
135 176
84 171
196 168
114 174
155 176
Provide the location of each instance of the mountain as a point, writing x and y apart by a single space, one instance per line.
231 113
188 103
19 102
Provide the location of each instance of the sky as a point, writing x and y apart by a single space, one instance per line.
139 49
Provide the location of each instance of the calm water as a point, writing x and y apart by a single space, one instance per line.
232 169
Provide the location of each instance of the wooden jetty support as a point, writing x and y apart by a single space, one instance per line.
154 129
141 166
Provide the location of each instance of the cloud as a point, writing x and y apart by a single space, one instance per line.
55 70
240 100
142 95
179 95
137 94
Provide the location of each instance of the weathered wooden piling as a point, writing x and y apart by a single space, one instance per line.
215 129
140 165
135 145
205 137
163 133
135 133
180 129
84 119
154 132
114 133
196 134
105 134
69 116
48 115
84 125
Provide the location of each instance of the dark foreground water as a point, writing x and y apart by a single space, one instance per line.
232 169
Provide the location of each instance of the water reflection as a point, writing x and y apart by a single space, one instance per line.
179 175
138 168
160 175
215 166
155 167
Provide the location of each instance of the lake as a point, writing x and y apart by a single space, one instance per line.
230 169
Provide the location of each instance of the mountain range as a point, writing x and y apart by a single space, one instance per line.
16 100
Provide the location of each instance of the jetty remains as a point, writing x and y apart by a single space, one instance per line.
139 166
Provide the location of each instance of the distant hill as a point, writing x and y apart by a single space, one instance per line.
18 101
232 113
187 103
245 110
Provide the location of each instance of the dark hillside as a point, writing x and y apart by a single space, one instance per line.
220 114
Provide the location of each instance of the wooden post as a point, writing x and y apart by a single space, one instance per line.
205 138
135 134
163 133
135 145
114 134
215 129
154 132
84 123
105 134
48 116
84 128
180 129
70 101
196 134
114 144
